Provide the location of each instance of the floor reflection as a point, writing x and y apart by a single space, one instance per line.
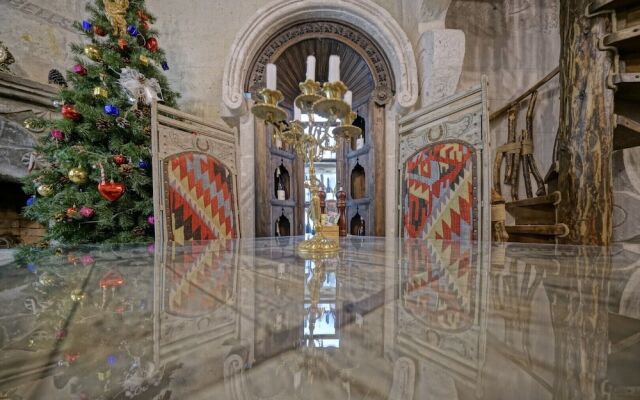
249 319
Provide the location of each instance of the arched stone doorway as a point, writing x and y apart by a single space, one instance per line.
385 46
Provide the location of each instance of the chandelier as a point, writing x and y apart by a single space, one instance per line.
310 139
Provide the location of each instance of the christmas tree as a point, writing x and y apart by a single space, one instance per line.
92 182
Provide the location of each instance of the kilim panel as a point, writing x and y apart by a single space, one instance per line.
199 198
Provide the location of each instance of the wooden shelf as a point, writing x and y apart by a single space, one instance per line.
626 134
613 4
281 203
626 40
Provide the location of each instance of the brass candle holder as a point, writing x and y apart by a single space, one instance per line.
310 139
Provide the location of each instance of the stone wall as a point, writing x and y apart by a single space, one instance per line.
515 43
14 227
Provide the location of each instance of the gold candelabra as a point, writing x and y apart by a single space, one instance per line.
310 139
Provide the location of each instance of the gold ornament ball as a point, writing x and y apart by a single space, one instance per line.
77 295
99 91
93 52
46 279
45 190
28 123
144 60
78 175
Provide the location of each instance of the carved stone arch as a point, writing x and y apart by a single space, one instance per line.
370 17
356 39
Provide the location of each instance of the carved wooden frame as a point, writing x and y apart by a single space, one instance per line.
174 132
462 118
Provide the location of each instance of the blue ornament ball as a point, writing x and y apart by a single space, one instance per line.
144 164
111 359
32 268
31 201
133 31
165 66
86 25
112 110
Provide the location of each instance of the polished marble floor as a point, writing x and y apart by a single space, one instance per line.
383 319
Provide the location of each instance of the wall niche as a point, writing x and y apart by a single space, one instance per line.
281 181
358 182
357 225
282 226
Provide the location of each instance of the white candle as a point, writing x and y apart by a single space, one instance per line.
334 68
348 97
272 76
297 114
311 68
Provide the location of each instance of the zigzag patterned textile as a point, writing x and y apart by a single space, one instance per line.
438 193
439 285
200 198
199 277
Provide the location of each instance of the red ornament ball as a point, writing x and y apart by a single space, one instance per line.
119 159
152 44
142 15
100 31
122 43
69 112
72 212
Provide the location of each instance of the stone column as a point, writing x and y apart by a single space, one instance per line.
246 176
440 58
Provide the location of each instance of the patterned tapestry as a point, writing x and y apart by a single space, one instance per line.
200 198
439 283
438 193
199 277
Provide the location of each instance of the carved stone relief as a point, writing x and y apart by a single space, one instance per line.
359 41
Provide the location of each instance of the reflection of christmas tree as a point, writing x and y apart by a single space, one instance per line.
94 325
96 182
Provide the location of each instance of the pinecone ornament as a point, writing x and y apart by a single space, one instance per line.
138 231
56 78
122 123
147 130
126 168
138 114
103 124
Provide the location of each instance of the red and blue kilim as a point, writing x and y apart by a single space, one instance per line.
200 198
438 193
439 285
199 277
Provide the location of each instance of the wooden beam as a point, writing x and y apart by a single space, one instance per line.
585 135
526 94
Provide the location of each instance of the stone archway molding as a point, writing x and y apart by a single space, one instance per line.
367 15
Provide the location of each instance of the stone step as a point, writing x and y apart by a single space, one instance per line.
535 211
626 133
536 233
553 198
614 4
628 86
626 40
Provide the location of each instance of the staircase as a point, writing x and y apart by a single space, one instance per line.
624 43
535 218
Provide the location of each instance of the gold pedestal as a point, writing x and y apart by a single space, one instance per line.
318 246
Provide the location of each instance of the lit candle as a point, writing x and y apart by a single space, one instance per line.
334 68
311 68
348 97
272 76
297 114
